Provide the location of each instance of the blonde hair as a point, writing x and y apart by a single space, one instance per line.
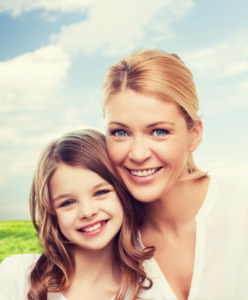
54 269
161 75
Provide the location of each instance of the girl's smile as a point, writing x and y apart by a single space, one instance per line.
94 228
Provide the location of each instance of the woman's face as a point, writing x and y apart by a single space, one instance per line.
148 143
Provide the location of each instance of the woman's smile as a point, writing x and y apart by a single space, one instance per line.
143 175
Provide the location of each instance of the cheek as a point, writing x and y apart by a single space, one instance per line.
117 210
177 148
63 222
117 152
120 216
173 154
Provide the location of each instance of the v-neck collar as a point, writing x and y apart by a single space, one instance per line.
154 271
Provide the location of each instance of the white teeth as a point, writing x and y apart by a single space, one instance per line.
95 227
145 172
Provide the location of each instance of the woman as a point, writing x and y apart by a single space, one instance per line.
86 227
199 225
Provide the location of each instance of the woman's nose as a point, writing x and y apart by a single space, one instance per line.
139 150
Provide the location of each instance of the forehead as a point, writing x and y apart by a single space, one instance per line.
72 177
129 104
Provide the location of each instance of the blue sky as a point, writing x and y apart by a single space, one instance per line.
53 57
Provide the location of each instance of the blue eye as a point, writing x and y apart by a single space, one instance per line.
160 132
119 133
101 192
67 203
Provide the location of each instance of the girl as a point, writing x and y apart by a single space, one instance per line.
86 225
198 224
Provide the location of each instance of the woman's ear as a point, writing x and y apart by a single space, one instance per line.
196 135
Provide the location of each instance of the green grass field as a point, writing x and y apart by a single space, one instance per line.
18 237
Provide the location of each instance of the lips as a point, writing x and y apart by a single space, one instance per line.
93 226
144 172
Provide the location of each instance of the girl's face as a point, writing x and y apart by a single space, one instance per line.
148 143
88 209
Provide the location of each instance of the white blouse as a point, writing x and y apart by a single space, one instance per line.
221 253
14 285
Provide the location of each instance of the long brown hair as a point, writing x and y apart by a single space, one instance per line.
161 75
54 269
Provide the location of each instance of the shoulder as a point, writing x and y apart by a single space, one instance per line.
18 262
18 266
230 193
230 206
14 272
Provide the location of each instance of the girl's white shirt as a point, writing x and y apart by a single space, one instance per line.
221 251
14 272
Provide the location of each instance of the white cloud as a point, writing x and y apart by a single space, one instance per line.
26 135
21 148
242 92
221 74
32 113
227 59
221 96
33 78
1 183
112 28
18 7
22 156
238 95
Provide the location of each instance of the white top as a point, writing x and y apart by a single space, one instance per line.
221 253
14 272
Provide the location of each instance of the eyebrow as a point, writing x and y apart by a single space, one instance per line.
118 123
100 185
59 197
148 126
160 123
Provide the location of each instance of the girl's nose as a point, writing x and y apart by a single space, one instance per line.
87 211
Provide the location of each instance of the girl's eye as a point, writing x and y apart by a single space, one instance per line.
67 203
160 132
119 133
101 192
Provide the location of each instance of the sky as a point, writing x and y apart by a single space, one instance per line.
53 57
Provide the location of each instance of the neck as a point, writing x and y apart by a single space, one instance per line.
178 207
94 265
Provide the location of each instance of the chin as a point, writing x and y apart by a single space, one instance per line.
93 246
143 200
144 196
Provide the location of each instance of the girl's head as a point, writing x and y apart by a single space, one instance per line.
155 75
74 191
76 157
